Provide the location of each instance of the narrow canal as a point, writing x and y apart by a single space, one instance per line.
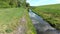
42 27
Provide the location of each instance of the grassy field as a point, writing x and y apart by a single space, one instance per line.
50 13
9 20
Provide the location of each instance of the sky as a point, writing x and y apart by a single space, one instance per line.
42 2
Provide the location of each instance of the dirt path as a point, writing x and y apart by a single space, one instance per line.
21 29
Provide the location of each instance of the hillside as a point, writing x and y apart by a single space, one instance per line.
50 13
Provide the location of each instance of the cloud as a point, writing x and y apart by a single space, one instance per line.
58 1
42 2
28 0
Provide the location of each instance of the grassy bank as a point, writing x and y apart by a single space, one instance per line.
50 13
10 20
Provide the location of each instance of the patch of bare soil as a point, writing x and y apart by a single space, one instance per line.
21 29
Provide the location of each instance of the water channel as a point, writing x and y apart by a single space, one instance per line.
42 27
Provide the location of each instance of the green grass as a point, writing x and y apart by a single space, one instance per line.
30 27
50 13
10 17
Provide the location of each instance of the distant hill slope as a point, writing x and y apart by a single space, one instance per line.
52 5
50 13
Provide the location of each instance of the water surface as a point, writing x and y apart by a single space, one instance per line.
42 27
